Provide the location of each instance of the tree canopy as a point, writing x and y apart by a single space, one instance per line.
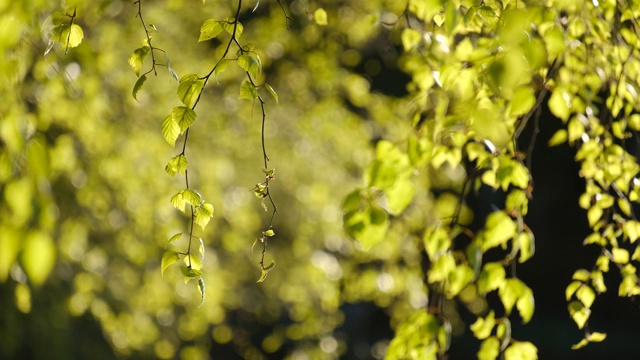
315 179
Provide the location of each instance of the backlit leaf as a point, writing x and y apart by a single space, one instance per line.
271 91
183 116
174 238
178 201
489 349
170 130
483 327
138 86
209 29
137 58
191 197
248 91
189 89
491 278
190 273
169 258
177 165
203 214
201 289
250 64
521 350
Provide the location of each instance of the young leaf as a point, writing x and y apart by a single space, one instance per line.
521 350
201 289
248 91
271 91
210 29
169 258
220 67
193 261
192 197
189 89
69 35
229 24
177 164
138 86
250 64
174 238
183 116
269 233
170 130
137 58
178 201
190 273
265 272
203 214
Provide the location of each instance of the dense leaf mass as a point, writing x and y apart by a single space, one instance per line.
404 135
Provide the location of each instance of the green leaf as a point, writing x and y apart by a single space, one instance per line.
631 228
174 238
521 350
491 278
320 17
560 137
579 313
410 38
192 197
369 227
269 233
489 349
525 244
209 29
178 201
522 101
581 275
579 345
203 214
183 116
170 130
190 273
177 164
499 229
69 35
620 256
594 214
137 58
571 289
586 295
169 258
138 86
201 288
483 327
596 337
459 278
250 64
265 272
400 195
515 292
558 104
436 241
248 91
220 67
228 25
189 89
193 261
271 91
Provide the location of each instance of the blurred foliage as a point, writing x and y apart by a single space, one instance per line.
381 118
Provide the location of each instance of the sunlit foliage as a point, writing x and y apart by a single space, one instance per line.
381 117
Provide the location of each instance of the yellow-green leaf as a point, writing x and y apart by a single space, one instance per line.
183 116
189 89
320 17
169 258
170 130
209 29
38 257
248 91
